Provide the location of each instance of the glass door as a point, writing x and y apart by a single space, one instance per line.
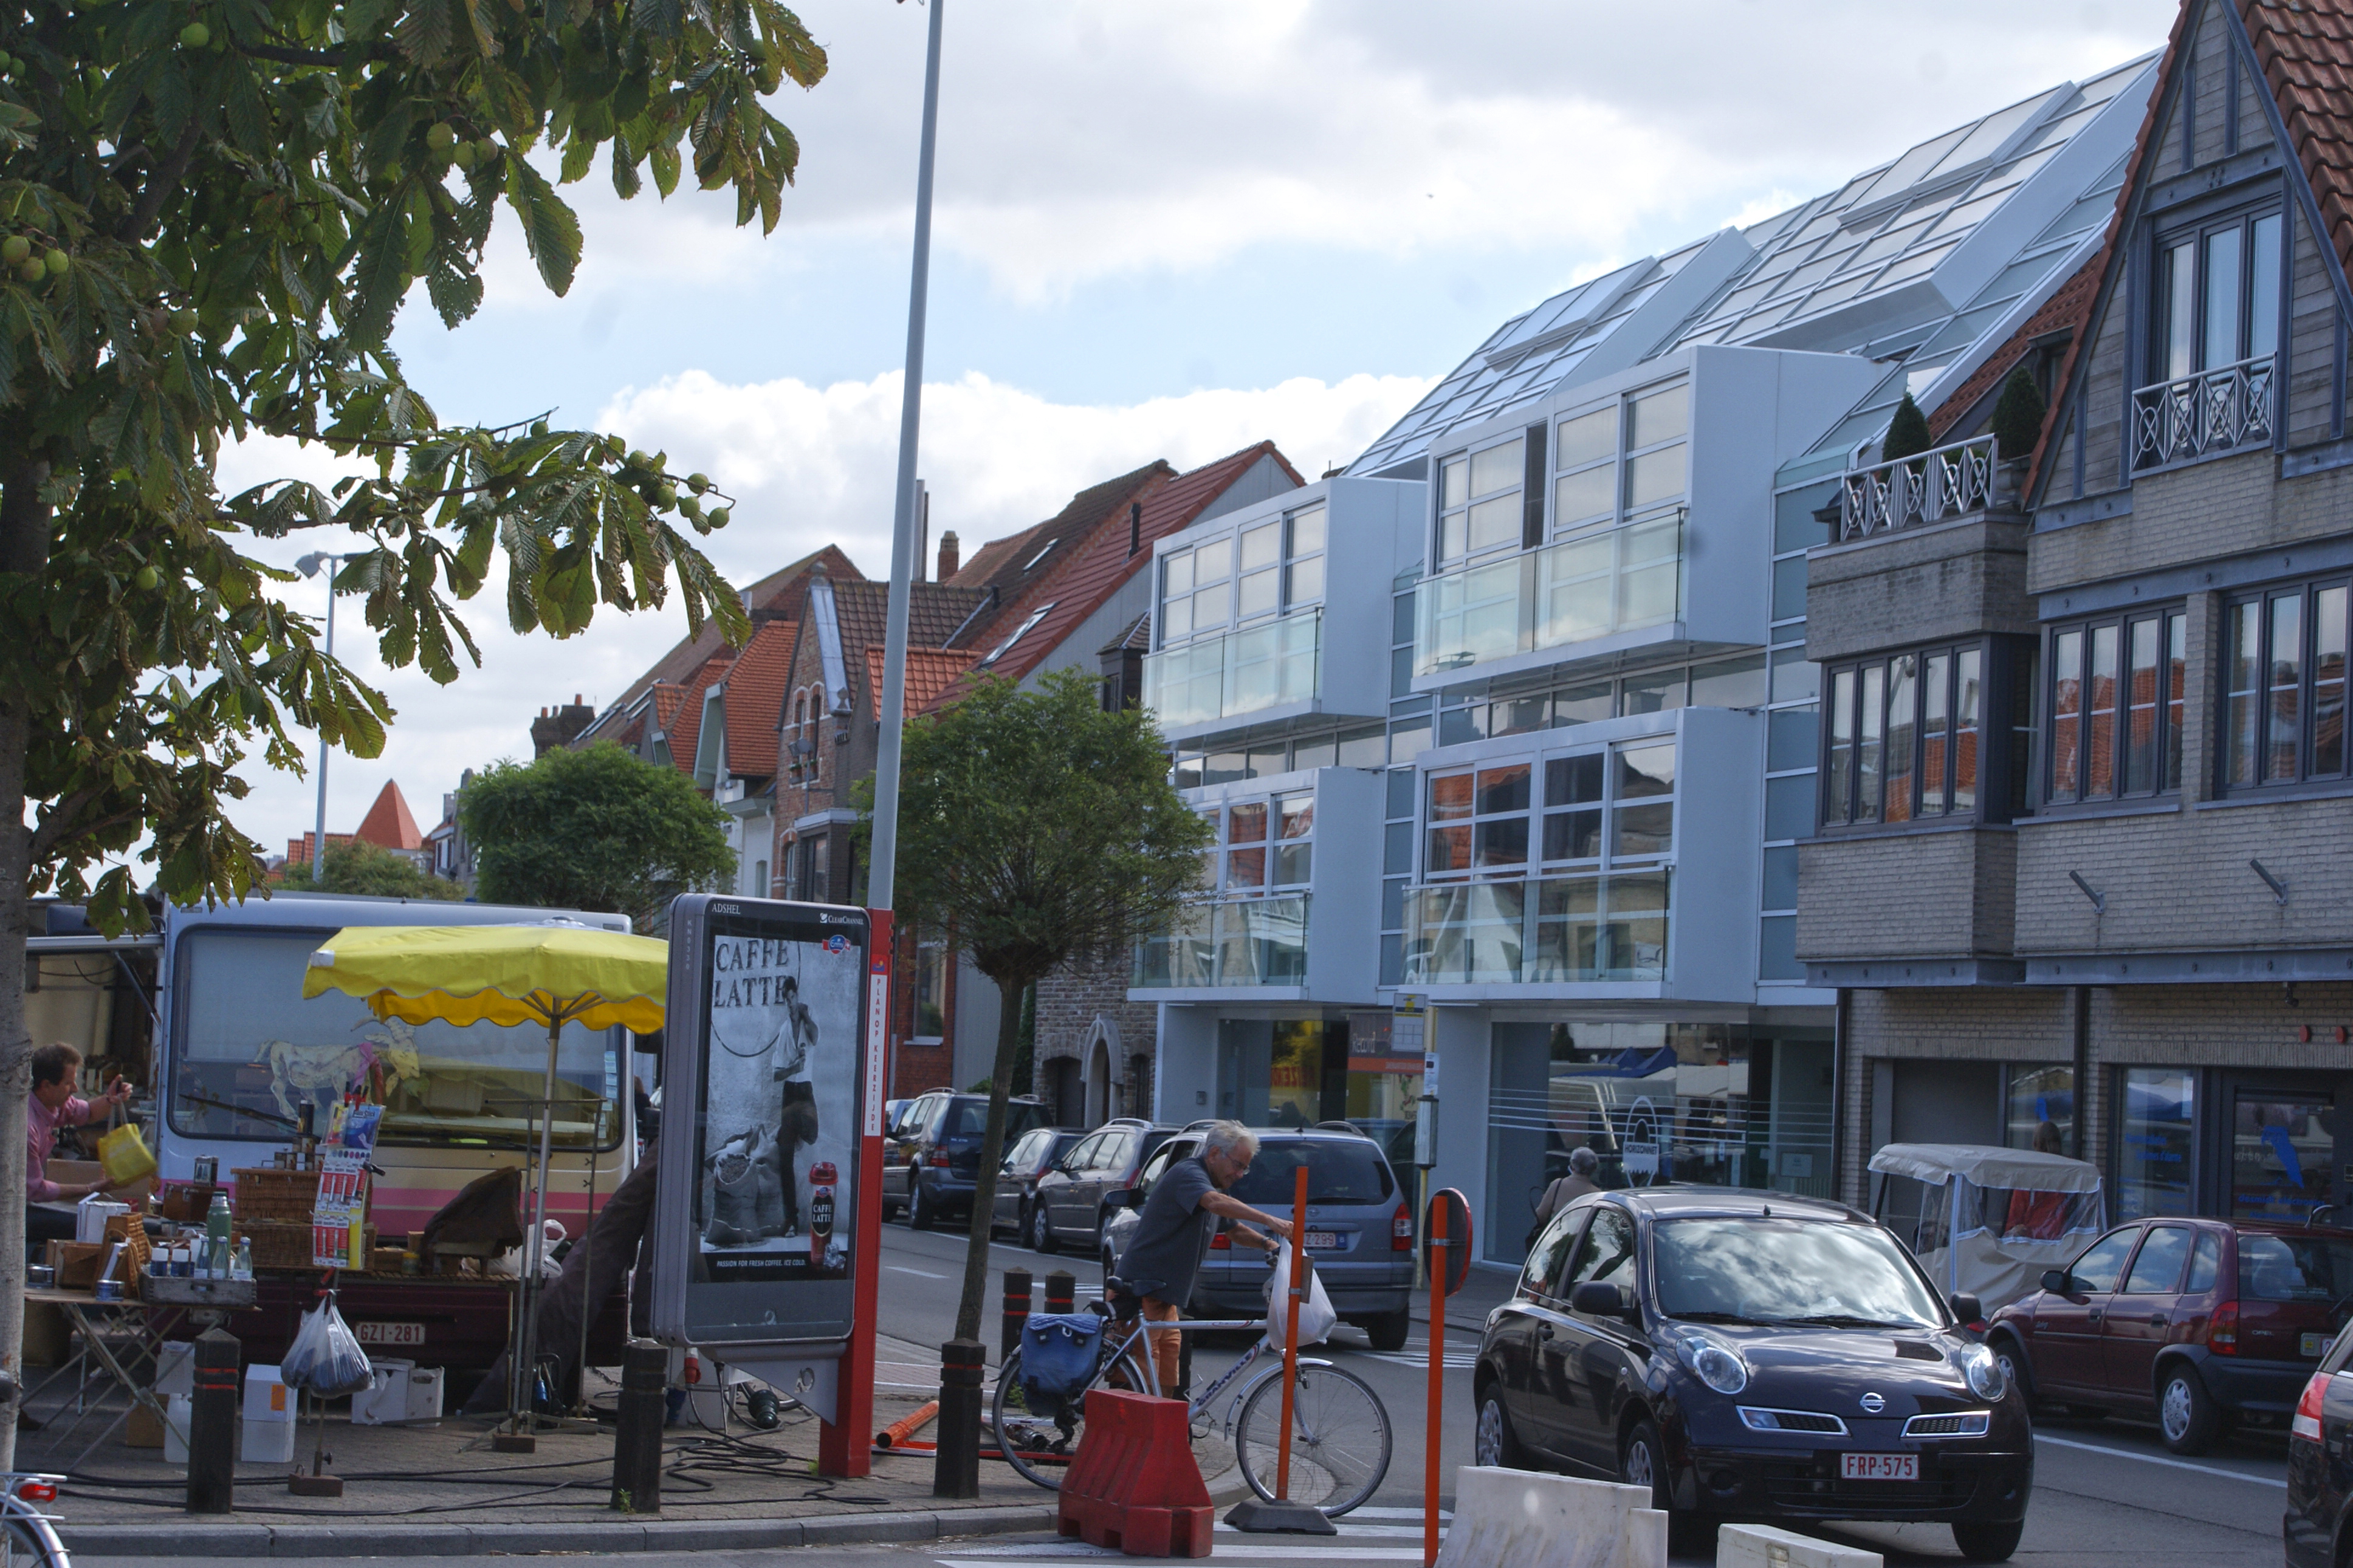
2283 1151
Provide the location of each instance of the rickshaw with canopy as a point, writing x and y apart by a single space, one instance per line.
1986 1221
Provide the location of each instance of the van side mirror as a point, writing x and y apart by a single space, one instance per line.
1968 1307
1599 1299
2055 1282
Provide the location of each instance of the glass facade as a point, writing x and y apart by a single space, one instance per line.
2156 1130
1296 1072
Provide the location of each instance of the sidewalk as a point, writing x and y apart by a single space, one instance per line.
439 1492
1484 1291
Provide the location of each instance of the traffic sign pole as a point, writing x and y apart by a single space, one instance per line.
1437 1398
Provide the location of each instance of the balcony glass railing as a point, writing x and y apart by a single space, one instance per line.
1236 942
1567 930
1591 586
1269 665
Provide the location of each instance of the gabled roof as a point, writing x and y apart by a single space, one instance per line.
985 560
755 696
685 727
778 590
389 824
930 671
2305 51
1042 553
934 611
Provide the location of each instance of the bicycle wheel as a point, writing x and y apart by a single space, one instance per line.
1339 1438
1040 1444
27 1541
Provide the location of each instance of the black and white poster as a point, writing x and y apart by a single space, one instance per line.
779 1134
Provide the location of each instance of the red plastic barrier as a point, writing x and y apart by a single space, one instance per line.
1133 1485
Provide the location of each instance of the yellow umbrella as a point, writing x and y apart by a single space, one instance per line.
553 974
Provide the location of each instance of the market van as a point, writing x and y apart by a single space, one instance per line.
206 1015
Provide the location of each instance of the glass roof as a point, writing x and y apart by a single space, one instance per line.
1854 272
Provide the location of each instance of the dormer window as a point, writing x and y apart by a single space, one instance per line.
1020 631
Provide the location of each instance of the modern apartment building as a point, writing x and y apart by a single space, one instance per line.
2087 798
1510 731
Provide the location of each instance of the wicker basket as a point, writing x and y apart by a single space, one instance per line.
279 1244
268 1194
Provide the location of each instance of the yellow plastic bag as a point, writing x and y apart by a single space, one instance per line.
125 1155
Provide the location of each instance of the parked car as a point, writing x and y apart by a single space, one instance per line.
931 1166
1752 1356
2320 1463
2203 1323
1072 1201
1359 1229
1037 1152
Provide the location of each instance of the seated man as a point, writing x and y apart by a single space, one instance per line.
54 1104
1172 1232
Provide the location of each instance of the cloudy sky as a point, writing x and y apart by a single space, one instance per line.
1162 230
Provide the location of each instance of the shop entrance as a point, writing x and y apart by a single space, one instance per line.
2282 1152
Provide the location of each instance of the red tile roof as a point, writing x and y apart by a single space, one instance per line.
2304 49
976 572
779 590
2065 310
930 671
1042 553
755 696
389 824
685 729
1101 566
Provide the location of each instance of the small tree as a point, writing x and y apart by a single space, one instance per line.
1043 830
356 866
2018 415
1907 432
592 829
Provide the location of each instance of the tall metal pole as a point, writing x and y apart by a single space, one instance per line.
844 1445
318 839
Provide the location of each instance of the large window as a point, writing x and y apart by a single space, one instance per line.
1625 458
1263 844
1264 569
2113 696
1611 807
2155 1141
1479 499
1905 739
2284 666
2216 292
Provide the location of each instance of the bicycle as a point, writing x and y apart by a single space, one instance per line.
28 1537
1340 1430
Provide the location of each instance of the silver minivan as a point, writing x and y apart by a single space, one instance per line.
1360 1228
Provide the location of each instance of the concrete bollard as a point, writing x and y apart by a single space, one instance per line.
212 1423
637 1431
1520 1518
1762 1546
1016 1310
955 1464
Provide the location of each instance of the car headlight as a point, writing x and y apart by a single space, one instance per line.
1716 1364
1983 1369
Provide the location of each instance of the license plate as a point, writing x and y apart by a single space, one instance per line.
1880 1466
389 1333
2312 1346
1323 1241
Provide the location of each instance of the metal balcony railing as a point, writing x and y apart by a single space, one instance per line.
2214 411
1229 941
1929 486
1571 929
1596 584
1269 665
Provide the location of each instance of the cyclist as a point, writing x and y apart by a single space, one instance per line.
1171 1235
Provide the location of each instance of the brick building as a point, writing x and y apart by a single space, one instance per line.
2086 795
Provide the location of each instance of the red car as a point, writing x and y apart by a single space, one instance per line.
2204 1324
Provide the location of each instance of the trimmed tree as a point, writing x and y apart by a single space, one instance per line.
1907 432
2017 417
1042 830
210 211
592 829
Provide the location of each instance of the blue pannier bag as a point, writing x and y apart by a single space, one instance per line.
1058 1357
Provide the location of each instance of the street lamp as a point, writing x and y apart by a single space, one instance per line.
308 566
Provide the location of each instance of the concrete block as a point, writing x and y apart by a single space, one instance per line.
1762 1546
1520 1518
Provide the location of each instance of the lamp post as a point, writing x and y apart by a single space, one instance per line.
308 566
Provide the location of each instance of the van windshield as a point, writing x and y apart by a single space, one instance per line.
247 1050
1339 1171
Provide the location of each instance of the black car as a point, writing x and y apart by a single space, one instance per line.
1753 1356
2319 1520
1072 1201
1028 1159
932 1164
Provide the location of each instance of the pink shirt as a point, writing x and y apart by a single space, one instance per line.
41 1126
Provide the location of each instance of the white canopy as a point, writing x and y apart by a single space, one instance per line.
1983 1165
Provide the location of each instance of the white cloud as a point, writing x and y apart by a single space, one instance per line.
806 466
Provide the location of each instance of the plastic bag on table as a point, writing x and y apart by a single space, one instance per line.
326 1357
1316 1315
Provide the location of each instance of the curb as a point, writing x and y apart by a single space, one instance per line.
366 1537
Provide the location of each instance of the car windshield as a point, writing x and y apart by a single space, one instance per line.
2293 1268
1762 1270
1339 1171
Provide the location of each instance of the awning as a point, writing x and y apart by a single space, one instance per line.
1987 1165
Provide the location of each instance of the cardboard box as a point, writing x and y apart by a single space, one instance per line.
76 1263
384 1400
74 1171
143 1430
267 1434
49 1334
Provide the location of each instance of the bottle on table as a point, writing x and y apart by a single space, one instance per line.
217 1221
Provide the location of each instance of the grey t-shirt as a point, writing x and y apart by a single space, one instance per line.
1171 1234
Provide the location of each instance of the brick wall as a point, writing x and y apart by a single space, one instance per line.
1947 894
1914 585
1070 1000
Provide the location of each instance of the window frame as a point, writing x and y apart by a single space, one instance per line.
1846 684
2307 593
2167 716
1536 865
1288 558
1275 805
2196 229
1447 509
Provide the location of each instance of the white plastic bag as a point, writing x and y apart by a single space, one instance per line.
326 1357
1315 1314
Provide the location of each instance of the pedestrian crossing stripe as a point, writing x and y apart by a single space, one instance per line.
1455 1361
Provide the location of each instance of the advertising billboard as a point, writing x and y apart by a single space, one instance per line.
762 1094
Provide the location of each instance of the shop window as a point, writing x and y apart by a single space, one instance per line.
2283 1152
2284 703
2042 1107
2155 1128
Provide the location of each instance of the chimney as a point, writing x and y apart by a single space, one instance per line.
1135 526
948 556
